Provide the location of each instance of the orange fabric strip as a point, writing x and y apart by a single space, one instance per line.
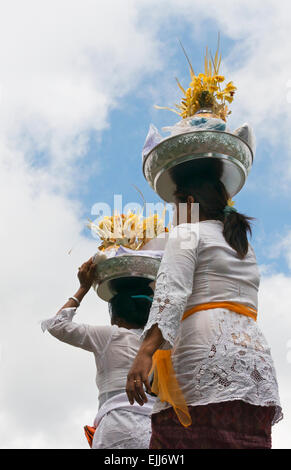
166 387
233 306
165 384
89 433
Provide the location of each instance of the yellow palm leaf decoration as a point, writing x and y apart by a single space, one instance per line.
205 89
130 230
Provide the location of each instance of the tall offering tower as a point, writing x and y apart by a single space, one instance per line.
200 141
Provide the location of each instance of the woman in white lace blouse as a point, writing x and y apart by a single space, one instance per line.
222 365
119 426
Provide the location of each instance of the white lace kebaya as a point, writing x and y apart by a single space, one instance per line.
218 355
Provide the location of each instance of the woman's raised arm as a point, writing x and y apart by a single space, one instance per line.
61 325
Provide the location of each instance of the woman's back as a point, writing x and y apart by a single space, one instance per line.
114 349
114 360
199 267
220 274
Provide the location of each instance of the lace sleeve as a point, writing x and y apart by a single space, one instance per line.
174 282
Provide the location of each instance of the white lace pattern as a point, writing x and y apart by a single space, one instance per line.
167 310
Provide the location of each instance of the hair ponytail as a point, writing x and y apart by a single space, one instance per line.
235 231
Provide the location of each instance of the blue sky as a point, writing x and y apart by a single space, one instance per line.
78 81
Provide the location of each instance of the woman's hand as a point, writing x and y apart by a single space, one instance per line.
139 373
137 377
86 274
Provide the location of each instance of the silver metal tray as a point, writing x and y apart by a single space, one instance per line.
114 274
161 164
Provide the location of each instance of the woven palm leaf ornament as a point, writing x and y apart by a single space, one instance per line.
205 89
200 141
129 230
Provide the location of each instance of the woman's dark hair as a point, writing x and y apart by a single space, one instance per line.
211 194
133 311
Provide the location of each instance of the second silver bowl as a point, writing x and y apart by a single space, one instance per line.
122 272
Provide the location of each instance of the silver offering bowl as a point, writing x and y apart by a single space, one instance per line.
174 159
123 272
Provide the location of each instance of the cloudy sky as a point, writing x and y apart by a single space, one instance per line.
78 80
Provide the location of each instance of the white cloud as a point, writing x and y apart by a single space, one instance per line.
283 247
63 66
275 321
38 228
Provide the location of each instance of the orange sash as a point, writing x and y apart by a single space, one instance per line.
165 384
89 433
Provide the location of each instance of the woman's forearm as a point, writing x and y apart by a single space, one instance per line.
80 294
152 341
